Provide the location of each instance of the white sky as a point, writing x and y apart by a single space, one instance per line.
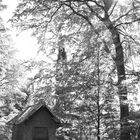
26 45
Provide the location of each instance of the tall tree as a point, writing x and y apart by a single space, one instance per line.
10 77
71 14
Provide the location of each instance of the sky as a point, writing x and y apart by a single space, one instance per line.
25 44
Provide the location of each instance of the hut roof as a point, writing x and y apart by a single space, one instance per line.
29 111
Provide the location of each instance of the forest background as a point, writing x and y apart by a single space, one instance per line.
87 68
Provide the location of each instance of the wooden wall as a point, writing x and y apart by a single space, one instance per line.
41 118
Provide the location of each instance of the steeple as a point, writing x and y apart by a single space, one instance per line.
61 67
61 54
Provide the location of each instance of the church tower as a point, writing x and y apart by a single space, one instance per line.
61 78
61 68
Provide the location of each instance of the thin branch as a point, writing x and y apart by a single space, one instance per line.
98 16
102 7
127 23
54 13
75 12
113 8
124 15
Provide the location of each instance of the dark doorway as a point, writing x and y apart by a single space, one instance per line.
40 133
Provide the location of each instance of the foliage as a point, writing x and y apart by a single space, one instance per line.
10 75
81 27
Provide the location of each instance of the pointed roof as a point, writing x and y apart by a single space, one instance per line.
29 111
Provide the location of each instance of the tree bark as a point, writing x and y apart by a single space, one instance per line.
122 90
98 96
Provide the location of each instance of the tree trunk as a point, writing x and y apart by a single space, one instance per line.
122 90
98 96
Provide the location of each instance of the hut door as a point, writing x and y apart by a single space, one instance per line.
40 133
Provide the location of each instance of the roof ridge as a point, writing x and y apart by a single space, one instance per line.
29 111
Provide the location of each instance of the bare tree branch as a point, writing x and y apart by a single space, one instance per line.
113 8
75 12
124 15
127 23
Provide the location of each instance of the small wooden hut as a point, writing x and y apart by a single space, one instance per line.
36 122
3 137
